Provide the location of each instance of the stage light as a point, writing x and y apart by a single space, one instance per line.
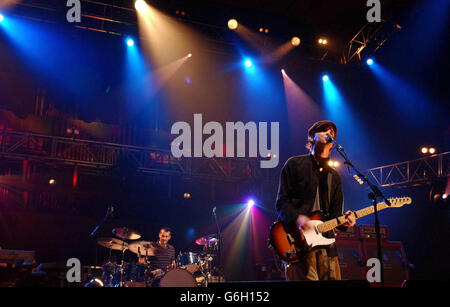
333 163
189 55
130 42
248 63
283 71
94 283
432 150
444 196
369 61
232 24
424 150
322 41
250 203
52 182
261 30
140 5
187 195
266 30
295 41
1 18
325 78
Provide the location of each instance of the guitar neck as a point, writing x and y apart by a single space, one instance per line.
331 224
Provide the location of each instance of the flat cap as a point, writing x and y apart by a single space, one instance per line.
321 126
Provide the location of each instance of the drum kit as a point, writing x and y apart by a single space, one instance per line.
191 270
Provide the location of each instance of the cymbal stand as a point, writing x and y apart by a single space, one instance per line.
122 264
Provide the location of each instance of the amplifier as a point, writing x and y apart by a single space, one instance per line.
351 259
367 232
352 233
395 263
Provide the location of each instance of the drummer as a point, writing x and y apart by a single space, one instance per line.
164 258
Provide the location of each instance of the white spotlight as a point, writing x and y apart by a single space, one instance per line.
140 5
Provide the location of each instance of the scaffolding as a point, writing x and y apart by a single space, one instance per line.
368 40
414 172
96 156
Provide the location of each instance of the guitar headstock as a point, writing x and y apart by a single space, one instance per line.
398 202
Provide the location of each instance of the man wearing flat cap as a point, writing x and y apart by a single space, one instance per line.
308 184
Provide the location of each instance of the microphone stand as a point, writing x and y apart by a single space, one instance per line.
219 238
376 193
108 213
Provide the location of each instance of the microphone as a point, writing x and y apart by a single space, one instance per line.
330 139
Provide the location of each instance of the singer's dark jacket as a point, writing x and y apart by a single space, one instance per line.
300 177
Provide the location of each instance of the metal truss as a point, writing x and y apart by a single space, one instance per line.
100 156
368 39
412 172
116 19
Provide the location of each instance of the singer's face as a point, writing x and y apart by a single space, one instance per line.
321 137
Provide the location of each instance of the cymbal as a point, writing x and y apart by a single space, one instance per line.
126 233
144 248
206 240
113 243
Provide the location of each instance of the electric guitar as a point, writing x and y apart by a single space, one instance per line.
293 244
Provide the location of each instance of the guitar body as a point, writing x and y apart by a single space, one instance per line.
293 244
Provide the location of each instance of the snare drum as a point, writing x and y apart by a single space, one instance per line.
178 278
189 261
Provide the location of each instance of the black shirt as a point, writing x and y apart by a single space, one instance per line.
300 178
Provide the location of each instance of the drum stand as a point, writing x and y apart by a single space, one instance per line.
122 265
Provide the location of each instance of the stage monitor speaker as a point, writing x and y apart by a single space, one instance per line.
367 232
395 263
351 260
352 233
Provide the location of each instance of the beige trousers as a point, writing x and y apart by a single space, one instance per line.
316 265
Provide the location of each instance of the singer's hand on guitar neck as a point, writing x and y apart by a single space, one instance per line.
350 219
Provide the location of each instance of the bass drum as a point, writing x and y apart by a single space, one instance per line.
178 278
189 261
